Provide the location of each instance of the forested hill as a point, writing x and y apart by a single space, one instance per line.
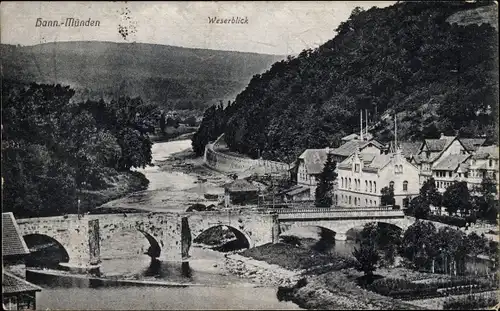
165 75
406 59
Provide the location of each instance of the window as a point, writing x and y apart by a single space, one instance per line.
366 185
491 162
342 182
356 168
375 186
466 175
349 200
449 174
371 186
405 185
349 183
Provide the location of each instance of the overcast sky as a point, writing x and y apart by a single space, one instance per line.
273 27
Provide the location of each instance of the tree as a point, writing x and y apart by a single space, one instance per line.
53 147
476 244
419 207
452 248
324 187
486 202
190 121
162 122
430 194
418 244
387 197
385 237
367 258
457 198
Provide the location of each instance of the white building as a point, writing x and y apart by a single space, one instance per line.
312 161
362 176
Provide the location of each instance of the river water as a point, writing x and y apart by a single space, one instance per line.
210 287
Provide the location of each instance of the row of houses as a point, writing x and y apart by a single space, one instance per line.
365 166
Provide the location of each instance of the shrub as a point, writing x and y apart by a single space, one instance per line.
401 288
470 302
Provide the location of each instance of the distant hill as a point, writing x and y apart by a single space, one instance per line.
434 64
167 75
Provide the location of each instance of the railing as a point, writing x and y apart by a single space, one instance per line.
330 210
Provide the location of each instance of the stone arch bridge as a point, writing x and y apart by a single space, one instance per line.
170 235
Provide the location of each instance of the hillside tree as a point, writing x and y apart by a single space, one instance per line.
324 188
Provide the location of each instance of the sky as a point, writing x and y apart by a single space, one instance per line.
279 27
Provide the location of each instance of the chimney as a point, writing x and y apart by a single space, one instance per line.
442 136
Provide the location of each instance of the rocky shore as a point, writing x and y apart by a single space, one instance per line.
260 271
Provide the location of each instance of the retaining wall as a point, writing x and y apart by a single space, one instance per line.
227 163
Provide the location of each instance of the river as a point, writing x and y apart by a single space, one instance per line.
211 287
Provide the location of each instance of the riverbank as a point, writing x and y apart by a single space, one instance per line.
309 279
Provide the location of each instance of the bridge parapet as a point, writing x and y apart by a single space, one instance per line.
343 214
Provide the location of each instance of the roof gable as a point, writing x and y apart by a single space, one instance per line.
472 144
314 160
451 162
14 284
13 243
410 148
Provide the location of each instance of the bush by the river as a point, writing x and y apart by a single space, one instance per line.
471 302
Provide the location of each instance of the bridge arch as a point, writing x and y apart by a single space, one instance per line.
353 232
127 241
46 250
324 232
243 239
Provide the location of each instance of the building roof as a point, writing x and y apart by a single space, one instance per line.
12 241
298 190
451 162
13 284
350 147
409 148
486 152
314 160
472 144
435 144
371 162
350 137
240 185
355 136
380 161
